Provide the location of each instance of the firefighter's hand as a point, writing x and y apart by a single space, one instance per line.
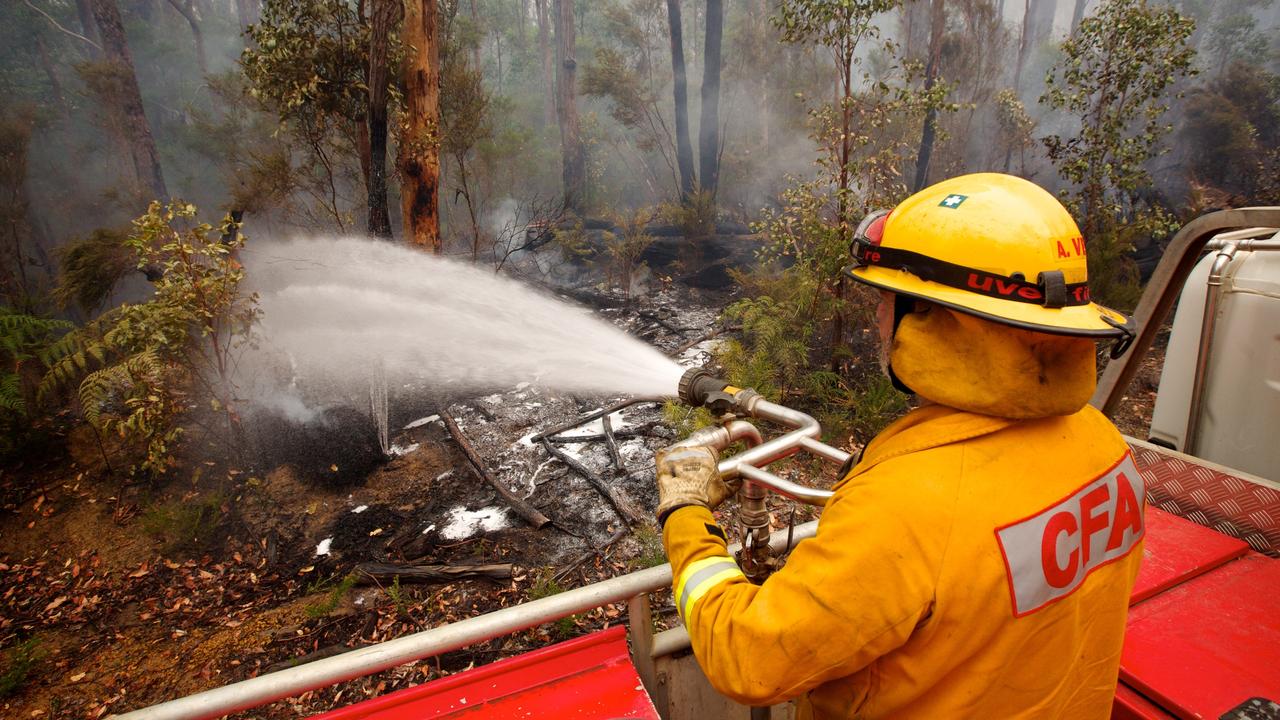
688 476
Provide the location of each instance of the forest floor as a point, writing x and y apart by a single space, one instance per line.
130 594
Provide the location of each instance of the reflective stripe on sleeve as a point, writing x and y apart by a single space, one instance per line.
699 578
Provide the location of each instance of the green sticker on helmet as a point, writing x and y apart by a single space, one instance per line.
953 201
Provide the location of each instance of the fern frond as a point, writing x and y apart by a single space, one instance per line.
11 394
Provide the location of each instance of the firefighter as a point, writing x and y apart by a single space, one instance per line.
977 559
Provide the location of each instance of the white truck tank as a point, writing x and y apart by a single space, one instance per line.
1239 410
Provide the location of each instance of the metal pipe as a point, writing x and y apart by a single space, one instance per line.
374 658
749 402
786 488
1208 323
824 450
744 431
428 643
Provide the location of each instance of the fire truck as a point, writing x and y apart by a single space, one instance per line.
1203 634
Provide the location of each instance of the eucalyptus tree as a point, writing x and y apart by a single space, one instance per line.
1115 75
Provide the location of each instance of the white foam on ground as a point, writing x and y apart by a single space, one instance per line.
463 523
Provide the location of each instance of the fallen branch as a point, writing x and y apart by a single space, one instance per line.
629 514
654 317
621 404
564 572
377 573
643 430
612 442
324 652
525 510
705 337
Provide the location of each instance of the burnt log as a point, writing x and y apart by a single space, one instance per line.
525 510
371 573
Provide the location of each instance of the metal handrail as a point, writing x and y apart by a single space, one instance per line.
294 681
1163 289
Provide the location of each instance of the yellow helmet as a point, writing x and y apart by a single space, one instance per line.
990 245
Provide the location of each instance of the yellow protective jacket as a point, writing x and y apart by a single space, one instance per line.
967 566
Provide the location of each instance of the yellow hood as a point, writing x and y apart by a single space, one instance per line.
972 364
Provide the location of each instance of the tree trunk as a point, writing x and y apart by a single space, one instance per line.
544 51
475 49
709 124
248 11
1024 41
136 129
188 13
913 26
937 26
385 14
1078 14
684 149
574 172
55 85
420 147
1037 26
88 25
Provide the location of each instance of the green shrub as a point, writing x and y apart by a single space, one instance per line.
136 367
184 524
333 595
20 660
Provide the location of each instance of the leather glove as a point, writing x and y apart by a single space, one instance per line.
688 476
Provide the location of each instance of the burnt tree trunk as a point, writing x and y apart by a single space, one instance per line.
680 87
574 170
188 13
937 26
420 147
385 14
709 125
544 52
136 129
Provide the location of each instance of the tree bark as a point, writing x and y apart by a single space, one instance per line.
684 148
137 131
188 13
548 75
88 25
385 14
1037 25
937 27
574 170
709 124
1078 14
420 146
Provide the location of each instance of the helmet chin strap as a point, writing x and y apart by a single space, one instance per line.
903 305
